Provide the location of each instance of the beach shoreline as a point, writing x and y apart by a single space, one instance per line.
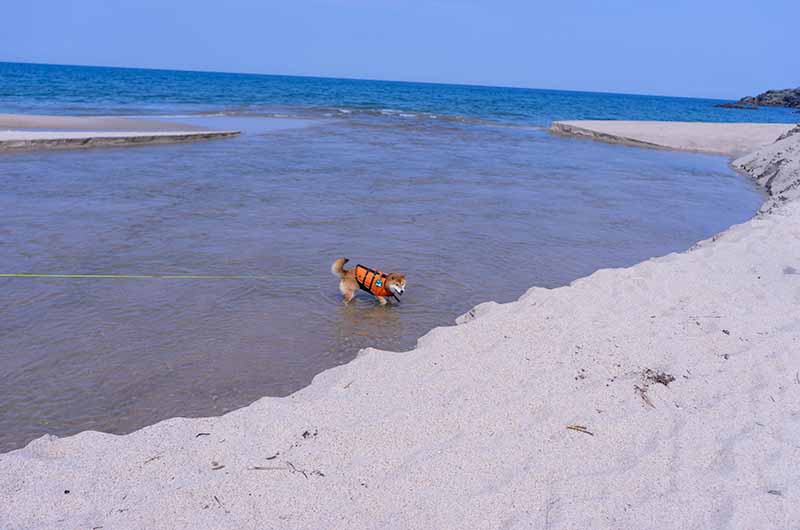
729 139
29 132
667 393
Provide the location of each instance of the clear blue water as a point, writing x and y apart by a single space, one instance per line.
53 89
459 187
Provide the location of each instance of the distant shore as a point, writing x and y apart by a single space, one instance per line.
25 132
661 395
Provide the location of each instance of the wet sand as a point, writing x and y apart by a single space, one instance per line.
69 132
664 394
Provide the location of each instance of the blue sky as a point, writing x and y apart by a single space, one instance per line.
678 47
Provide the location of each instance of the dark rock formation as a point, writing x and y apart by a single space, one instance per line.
789 97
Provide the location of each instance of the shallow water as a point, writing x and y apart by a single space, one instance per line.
470 213
470 208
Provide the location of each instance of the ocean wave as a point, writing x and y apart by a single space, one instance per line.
393 113
404 116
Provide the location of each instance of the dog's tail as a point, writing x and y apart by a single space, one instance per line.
338 267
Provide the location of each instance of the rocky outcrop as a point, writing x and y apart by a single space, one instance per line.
789 97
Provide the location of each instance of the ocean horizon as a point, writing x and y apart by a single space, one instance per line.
366 79
71 89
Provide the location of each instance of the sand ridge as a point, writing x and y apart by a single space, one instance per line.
470 429
730 139
88 123
26 132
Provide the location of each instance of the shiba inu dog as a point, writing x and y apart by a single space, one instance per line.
375 282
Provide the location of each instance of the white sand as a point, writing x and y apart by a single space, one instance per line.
87 123
469 429
732 139
776 167
19 131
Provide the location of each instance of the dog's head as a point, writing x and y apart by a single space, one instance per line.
396 283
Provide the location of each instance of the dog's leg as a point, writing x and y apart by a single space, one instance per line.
382 300
347 291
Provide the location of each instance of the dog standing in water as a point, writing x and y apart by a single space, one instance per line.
378 284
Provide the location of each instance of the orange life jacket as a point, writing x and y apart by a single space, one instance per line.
372 281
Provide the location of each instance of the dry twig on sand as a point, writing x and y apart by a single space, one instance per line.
580 428
291 468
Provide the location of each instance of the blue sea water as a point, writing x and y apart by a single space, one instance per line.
459 187
56 89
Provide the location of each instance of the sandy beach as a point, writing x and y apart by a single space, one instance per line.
24 132
729 139
664 395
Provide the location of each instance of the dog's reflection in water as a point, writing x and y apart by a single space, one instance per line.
363 324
